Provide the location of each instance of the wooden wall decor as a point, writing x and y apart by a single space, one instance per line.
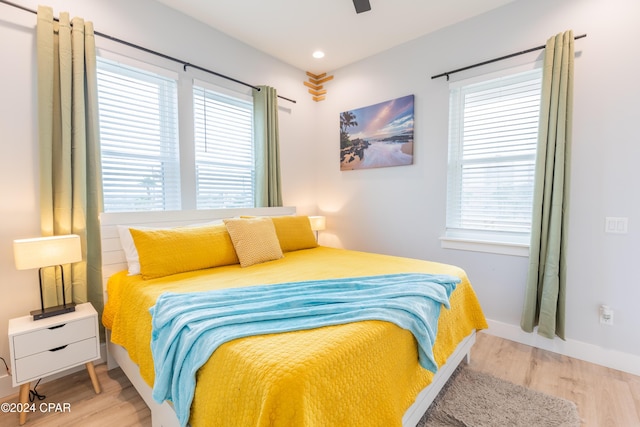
315 85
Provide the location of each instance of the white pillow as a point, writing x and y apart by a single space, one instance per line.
129 248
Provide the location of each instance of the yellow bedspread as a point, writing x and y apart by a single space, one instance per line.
359 374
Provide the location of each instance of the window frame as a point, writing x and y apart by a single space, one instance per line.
472 240
235 101
186 79
166 158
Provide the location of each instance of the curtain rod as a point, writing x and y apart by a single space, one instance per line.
533 49
162 55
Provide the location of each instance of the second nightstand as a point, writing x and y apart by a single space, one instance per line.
40 348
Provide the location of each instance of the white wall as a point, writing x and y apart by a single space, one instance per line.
156 27
401 210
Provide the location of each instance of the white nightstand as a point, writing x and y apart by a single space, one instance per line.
40 348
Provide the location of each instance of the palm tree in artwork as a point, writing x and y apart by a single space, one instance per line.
347 120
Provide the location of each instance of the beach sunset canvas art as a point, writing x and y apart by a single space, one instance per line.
376 136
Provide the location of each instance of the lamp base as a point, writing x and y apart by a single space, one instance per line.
53 311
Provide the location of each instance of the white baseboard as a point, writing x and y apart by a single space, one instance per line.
7 389
614 359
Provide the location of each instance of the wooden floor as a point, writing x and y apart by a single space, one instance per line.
605 397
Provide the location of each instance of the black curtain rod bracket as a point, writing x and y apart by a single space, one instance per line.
533 49
153 52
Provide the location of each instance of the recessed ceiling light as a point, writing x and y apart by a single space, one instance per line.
318 54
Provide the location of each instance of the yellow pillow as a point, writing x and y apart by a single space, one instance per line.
254 239
169 251
294 232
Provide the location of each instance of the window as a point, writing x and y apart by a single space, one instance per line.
139 139
493 131
155 157
225 168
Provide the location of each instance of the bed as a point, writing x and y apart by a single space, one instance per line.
361 373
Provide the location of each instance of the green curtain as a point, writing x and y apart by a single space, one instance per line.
545 295
70 190
268 190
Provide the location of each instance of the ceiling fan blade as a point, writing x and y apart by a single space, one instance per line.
362 5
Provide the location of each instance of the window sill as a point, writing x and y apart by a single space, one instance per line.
465 244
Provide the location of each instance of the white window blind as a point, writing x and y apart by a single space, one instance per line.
223 133
139 138
492 149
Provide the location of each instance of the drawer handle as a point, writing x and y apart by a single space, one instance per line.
57 326
62 347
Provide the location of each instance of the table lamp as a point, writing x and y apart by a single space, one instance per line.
318 223
42 252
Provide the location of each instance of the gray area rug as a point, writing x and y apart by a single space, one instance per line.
476 399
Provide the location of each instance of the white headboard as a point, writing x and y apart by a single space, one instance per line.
113 258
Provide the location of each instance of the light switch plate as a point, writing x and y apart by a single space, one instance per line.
616 225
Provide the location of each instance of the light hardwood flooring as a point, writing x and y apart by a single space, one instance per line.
605 397
119 404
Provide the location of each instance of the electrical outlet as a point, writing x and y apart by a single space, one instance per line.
606 315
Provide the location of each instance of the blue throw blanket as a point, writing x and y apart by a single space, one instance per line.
188 327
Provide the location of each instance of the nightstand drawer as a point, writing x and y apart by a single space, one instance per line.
47 338
50 361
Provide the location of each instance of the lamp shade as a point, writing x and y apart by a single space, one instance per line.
318 222
46 251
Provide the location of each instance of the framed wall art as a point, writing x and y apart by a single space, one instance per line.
379 135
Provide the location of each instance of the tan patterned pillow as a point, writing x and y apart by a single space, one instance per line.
254 239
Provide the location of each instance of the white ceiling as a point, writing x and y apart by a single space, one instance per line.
292 29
